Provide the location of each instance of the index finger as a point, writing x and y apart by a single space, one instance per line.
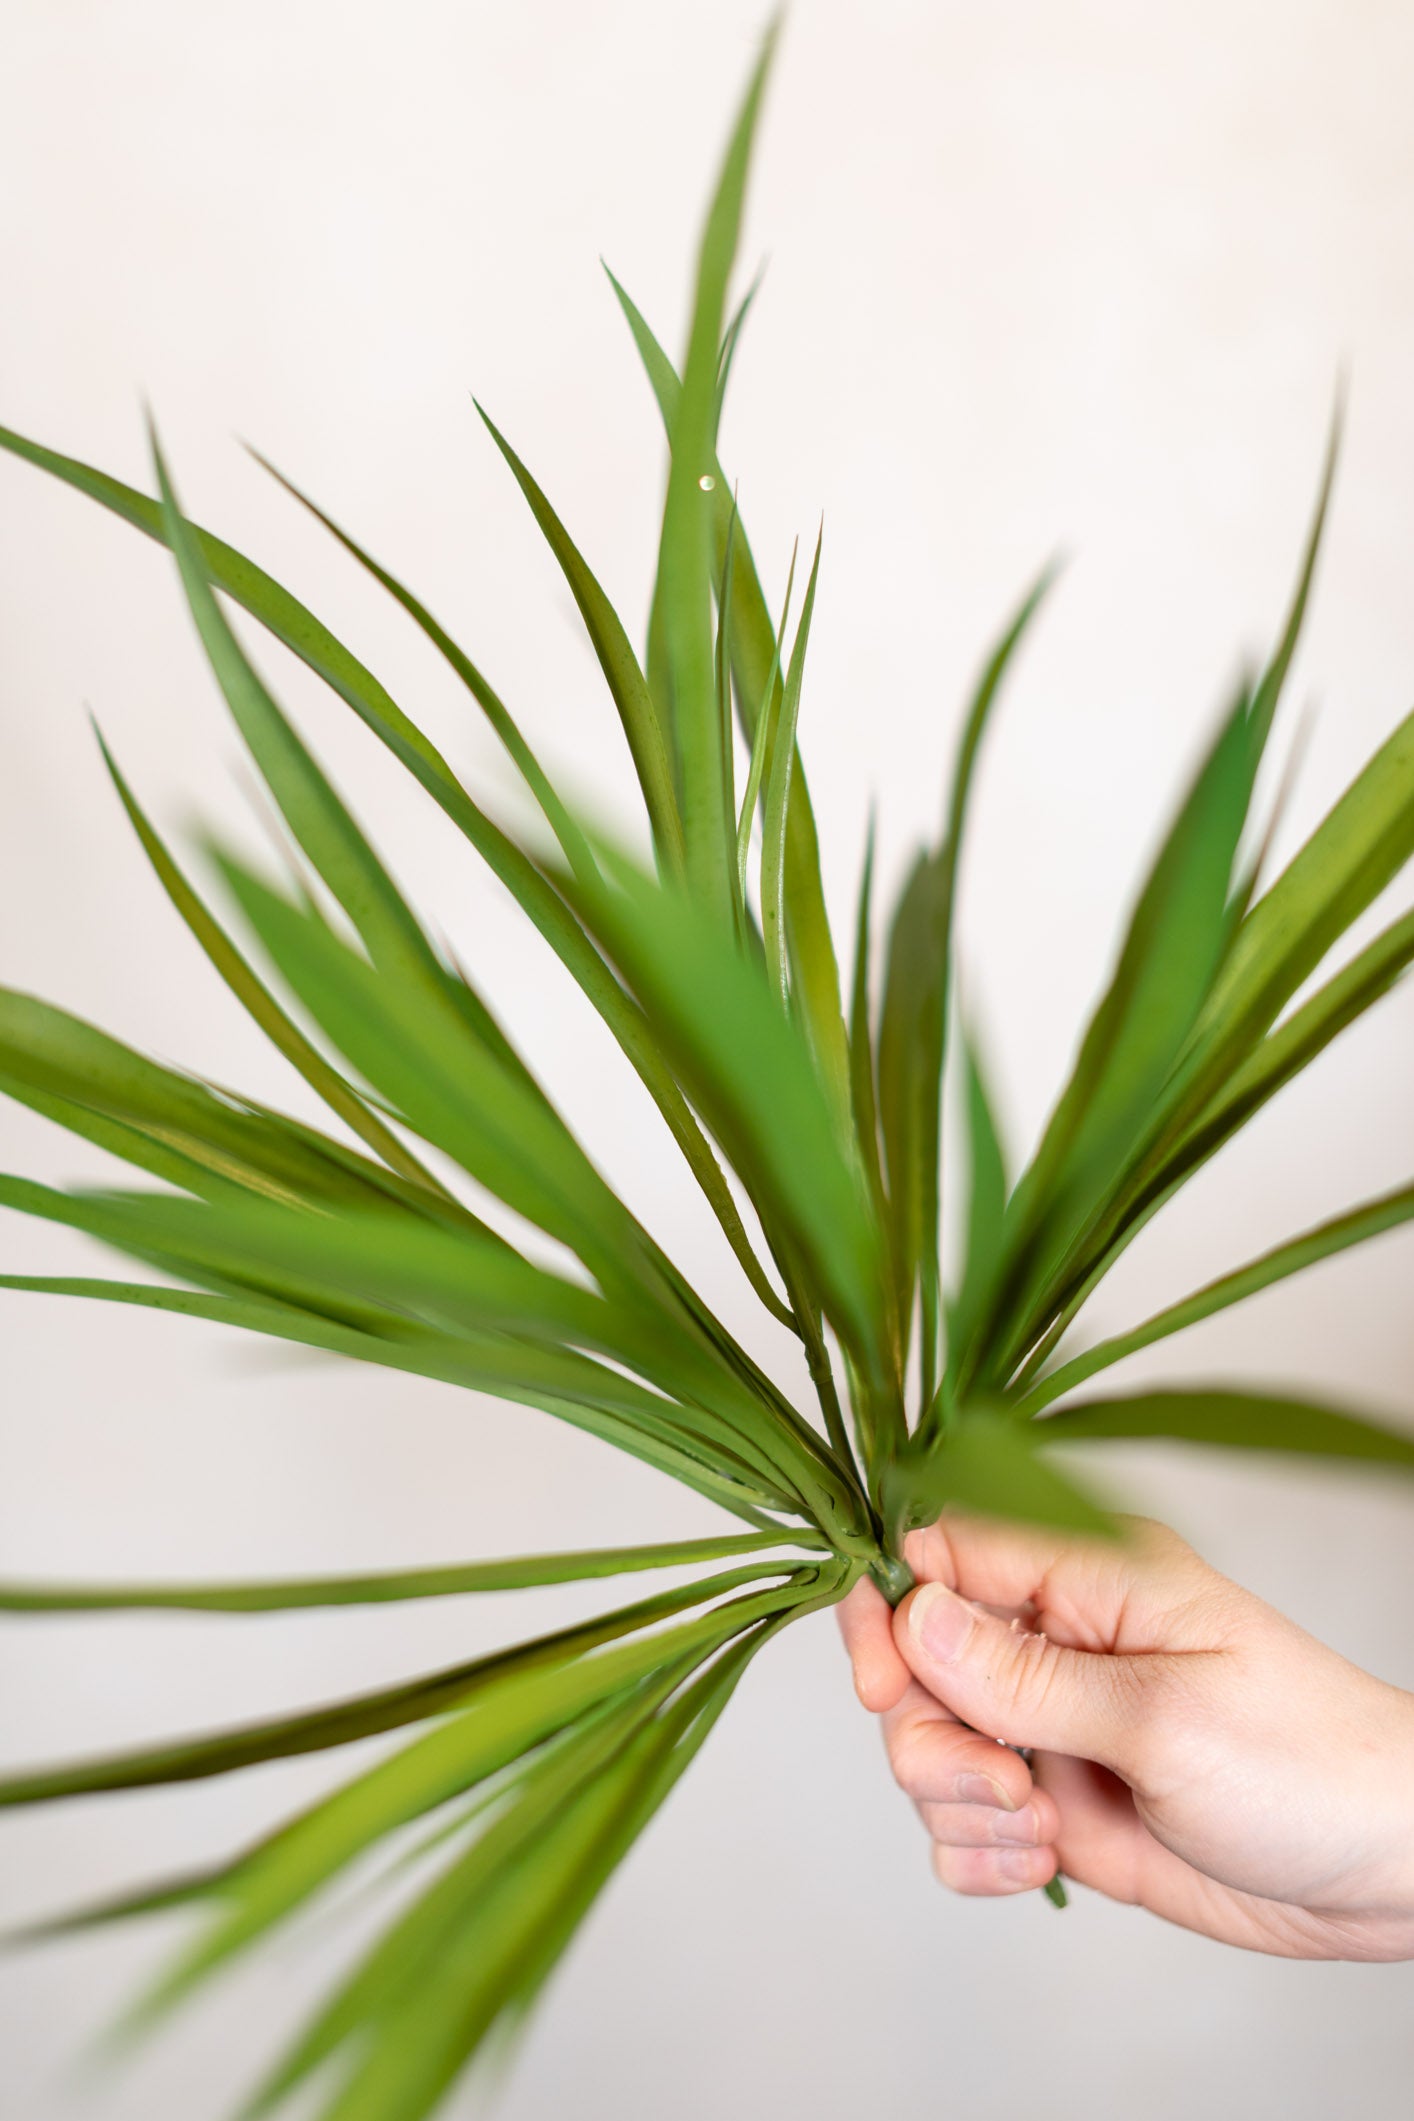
1087 1593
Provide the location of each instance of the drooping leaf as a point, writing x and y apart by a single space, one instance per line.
1240 1421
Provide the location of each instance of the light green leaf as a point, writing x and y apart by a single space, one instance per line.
1173 949
433 1694
987 1189
756 765
913 1020
677 1440
773 830
1355 1227
388 1586
536 1694
257 999
626 681
490 702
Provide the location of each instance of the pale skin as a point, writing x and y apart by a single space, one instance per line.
1194 1752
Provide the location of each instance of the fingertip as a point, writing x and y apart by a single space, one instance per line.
880 1675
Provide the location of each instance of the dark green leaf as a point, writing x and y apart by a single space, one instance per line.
1243 1421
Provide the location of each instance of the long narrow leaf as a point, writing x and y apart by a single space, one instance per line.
1356 1227
386 1586
681 616
1242 1421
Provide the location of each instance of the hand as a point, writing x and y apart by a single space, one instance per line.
1197 1753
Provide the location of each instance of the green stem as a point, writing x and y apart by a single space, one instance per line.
893 1576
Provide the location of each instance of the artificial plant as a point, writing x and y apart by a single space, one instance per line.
520 1779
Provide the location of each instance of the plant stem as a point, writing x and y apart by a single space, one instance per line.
893 1576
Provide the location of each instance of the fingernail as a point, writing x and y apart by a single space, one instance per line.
940 1622
1021 1826
981 1789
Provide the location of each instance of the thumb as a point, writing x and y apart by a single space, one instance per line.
1020 1687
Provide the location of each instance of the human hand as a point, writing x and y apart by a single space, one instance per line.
1196 1753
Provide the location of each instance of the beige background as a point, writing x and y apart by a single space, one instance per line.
1072 274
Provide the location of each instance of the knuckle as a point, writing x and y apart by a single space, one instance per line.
981 1872
907 1751
952 1870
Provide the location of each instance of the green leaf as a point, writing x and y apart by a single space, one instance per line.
681 617
535 1695
1174 947
1242 1421
387 1586
862 1087
913 1021
307 637
257 999
1354 853
813 963
676 1440
375 1271
773 831
752 1077
172 1125
490 702
987 1462
987 1189
1281 1056
626 681
282 614
1355 1227
536 1666
756 765
407 1040
315 815
480 1901
730 340
480 1945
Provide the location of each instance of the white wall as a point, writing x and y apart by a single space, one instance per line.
1079 274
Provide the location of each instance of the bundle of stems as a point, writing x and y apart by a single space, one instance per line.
520 1779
